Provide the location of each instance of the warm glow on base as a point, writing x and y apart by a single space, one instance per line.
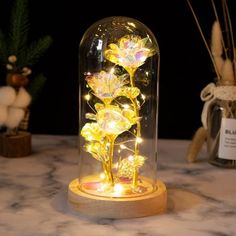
97 185
117 207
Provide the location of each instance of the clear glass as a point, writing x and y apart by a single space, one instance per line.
118 109
218 110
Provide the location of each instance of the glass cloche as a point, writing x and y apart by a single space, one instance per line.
118 117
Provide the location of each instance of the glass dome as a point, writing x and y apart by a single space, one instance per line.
118 109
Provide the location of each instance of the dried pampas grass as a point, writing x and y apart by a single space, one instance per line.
216 42
223 57
228 72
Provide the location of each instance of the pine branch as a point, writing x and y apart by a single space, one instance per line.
36 86
36 50
19 28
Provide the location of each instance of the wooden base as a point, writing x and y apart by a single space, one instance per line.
117 208
15 145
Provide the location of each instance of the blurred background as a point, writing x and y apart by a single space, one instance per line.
185 67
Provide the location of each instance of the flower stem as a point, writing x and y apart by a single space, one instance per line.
110 161
138 129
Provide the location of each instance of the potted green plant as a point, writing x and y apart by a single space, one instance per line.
21 85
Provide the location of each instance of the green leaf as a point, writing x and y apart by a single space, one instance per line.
36 86
37 49
19 27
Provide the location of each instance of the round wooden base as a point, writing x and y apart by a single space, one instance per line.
102 207
15 145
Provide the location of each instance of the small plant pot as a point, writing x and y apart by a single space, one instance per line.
18 145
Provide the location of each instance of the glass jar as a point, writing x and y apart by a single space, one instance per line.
221 127
118 116
118 108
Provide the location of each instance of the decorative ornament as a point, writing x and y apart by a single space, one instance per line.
22 86
118 124
219 111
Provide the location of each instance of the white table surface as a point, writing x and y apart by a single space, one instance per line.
33 195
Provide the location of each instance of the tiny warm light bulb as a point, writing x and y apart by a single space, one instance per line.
89 148
130 158
87 97
112 124
118 189
102 188
112 70
122 146
126 106
139 140
102 176
116 165
143 96
131 24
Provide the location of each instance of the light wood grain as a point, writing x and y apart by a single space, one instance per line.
146 205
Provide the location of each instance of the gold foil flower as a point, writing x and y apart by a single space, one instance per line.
114 121
105 85
129 92
128 166
97 150
92 132
130 52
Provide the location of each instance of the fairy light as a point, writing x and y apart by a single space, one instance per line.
118 189
122 146
90 138
103 188
116 165
112 70
102 176
131 24
130 158
112 125
89 148
87 97
126 106
143 96
139 140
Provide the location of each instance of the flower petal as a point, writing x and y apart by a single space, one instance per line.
112 122
92 131
129 92
97 150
